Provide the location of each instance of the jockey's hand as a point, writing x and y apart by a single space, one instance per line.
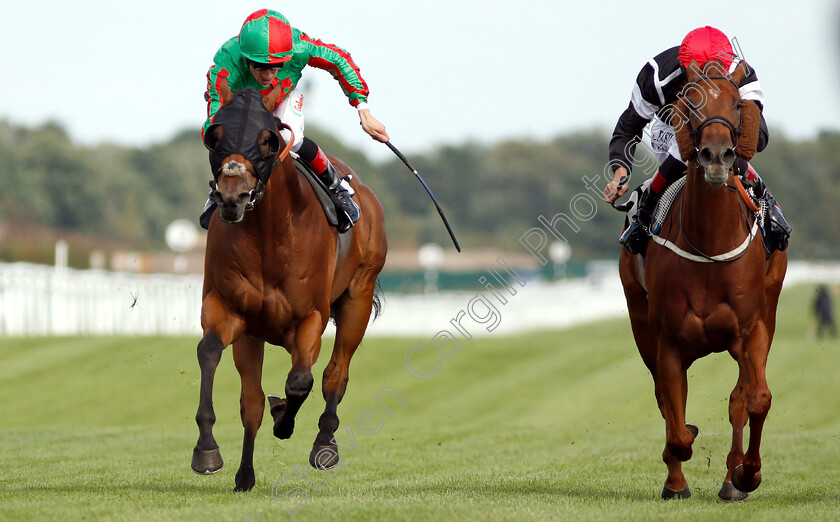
373 126
614 188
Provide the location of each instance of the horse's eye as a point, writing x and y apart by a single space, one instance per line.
740 104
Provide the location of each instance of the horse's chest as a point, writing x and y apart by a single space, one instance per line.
711 326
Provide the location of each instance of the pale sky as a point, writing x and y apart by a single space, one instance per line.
439 71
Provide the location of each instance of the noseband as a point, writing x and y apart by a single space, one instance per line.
734 132
255 194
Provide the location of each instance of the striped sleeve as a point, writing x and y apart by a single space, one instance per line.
223 71
215 75
645 100
340 65
750 87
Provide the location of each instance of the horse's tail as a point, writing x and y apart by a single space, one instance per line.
377 299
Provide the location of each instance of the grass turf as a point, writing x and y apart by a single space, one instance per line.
550 425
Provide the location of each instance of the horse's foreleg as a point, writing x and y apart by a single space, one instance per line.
676 485
206 457
747 476
351 316
307 345
672 382
248 357
220 329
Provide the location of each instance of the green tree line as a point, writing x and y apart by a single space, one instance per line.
492 193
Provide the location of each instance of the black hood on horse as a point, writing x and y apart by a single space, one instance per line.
242 121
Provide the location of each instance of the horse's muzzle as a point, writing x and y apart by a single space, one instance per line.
716 162
233 211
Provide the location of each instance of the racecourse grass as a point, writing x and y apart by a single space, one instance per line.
555 425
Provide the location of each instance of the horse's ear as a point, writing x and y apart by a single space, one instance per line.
740 72
750 123
682 129
213 136
693 72
270 99
223 88
269 143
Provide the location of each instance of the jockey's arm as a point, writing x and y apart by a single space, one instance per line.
615 189
628 132
372 126
341 66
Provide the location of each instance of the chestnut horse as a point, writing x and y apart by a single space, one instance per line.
277 274
706 284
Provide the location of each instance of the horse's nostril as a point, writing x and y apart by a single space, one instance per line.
704 156
728 157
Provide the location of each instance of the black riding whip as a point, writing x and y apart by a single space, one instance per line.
440 210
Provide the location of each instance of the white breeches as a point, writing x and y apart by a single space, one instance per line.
663 141
290 112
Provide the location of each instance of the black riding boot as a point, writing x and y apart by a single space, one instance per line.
777 230
348 210
635 237
207 213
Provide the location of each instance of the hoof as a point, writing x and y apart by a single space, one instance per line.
745 484
206 462
693 429
284 430
729 493
323 457
277 405
244 480
670 494
278 408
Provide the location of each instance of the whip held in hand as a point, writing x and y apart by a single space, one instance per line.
440 210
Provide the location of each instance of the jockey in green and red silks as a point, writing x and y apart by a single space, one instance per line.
269 52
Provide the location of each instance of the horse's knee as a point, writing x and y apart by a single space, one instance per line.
299 383
679 444
758 402
210 350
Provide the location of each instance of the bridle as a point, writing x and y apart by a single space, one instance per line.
735 132
740 251
258 191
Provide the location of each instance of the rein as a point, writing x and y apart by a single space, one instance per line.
741 250
732 255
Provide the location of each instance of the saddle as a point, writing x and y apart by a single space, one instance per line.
321 191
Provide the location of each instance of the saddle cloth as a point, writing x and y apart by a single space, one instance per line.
320 190
668 198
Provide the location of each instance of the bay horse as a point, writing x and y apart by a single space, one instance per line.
277 274
706 285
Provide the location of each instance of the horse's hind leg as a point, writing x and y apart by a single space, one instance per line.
306 345
352 312
248 357
738 419
747 476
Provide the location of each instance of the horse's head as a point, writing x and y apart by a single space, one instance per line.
243 142
714 126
